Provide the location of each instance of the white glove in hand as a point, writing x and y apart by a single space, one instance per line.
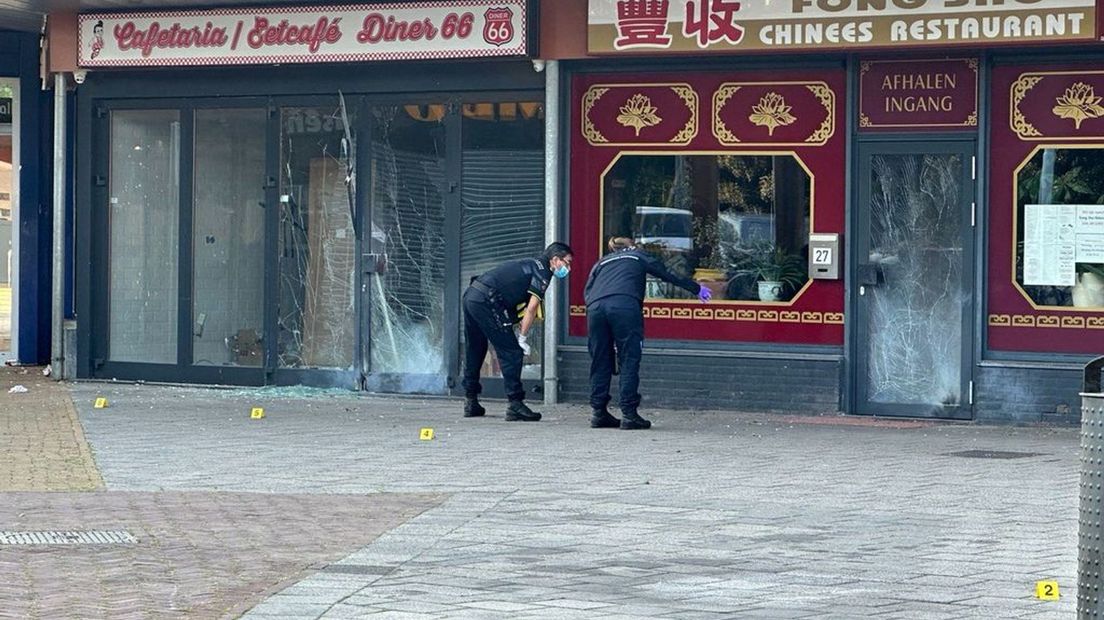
523 342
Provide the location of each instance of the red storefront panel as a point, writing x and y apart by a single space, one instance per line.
795 113
1058 108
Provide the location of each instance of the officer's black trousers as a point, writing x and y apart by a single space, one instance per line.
616 319
485 321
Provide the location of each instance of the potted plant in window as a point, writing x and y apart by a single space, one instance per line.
772 266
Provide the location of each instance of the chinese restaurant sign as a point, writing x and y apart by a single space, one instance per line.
918 94
709 26
370 32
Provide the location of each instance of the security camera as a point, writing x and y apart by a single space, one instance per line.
538 65
79 75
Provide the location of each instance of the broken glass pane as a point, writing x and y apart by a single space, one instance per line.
407 234
317 244
915 331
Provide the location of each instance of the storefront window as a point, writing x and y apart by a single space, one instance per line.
144 207
317 242
1060 227
729 221
228 238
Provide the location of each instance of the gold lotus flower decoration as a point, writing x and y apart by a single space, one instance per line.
638 113
772 112
1079 103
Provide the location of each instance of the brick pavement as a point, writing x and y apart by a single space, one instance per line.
42 445
198 554
201 554
710 515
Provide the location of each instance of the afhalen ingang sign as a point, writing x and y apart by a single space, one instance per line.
709 26
370 32
918 93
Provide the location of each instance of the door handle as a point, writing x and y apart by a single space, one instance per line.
862 291
374 263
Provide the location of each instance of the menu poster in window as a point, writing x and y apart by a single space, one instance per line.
1049 245
1090 234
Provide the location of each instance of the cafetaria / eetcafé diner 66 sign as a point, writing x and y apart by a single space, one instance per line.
367 32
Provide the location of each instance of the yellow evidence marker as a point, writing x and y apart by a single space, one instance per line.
101 403
257 413
426 434
1046 590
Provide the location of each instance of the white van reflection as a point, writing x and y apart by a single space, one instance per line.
666 226
743 229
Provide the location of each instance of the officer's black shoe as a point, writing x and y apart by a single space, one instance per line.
472 408
519 412
630 421
602 418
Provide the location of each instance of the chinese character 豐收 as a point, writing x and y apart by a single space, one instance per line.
642 23
712 20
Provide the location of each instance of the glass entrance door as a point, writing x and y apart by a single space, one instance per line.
913 280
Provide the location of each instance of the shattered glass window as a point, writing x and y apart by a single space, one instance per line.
915 330
228 243
502 196
407 233
316 239
144 207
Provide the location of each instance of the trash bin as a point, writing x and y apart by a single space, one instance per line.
1090 534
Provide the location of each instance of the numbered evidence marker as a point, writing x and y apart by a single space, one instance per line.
1046 590
257 413
426 434
101 403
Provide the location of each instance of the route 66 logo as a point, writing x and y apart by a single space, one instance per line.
498 26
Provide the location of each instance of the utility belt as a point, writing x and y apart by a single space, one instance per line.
496 300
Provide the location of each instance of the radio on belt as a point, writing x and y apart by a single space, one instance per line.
824 256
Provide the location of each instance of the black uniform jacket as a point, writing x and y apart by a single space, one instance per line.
623 273
516 280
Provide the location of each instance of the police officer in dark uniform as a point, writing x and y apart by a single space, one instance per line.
614 298
491 306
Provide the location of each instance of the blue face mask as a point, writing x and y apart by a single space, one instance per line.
561 271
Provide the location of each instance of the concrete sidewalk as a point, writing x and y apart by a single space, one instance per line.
708 515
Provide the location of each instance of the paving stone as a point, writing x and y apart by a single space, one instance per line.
42 445
198 553
772 517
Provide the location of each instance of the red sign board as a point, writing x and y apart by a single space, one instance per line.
925 94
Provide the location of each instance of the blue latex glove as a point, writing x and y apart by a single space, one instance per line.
704 294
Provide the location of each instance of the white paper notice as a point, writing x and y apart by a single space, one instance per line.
1050 245
1090 234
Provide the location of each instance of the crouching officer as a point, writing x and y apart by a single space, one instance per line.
614 298
490 312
